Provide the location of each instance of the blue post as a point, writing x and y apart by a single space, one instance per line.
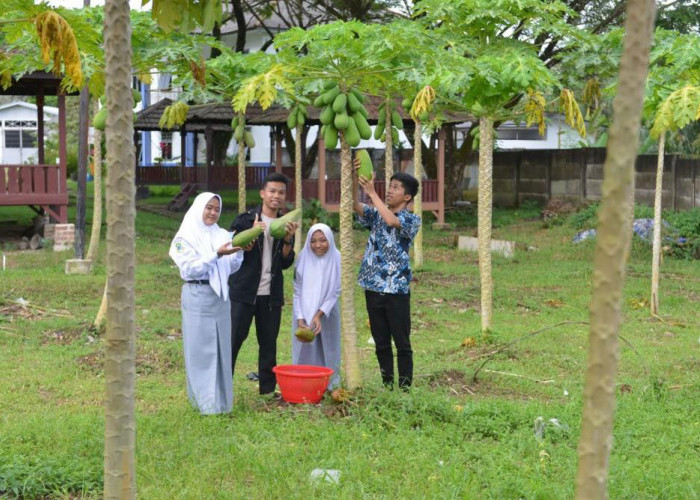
146 136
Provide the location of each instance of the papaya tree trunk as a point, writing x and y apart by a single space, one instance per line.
241 177
484 220
656 256
120 425
101 313
347 269
94 245
418 200
614 234
389 151
297 182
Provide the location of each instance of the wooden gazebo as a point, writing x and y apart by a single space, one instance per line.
40 186
213 117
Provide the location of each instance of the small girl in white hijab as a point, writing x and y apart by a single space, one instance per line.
316 305
203 252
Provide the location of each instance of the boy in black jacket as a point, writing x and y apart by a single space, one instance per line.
256 290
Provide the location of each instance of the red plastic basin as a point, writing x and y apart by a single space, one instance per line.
302 383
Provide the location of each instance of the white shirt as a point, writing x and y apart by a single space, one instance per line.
266 273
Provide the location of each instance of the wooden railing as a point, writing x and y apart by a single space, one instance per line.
31 185
226 177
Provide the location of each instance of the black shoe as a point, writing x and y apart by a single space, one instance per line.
252 376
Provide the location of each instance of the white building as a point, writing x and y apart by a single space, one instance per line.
18 132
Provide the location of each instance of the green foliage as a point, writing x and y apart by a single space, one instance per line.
677 110
686 225
314 213
185 15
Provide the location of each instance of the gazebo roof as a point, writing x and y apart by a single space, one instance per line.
219 115
33 83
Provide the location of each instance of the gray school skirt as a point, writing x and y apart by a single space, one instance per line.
206 336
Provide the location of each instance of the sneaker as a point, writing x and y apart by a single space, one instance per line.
253 376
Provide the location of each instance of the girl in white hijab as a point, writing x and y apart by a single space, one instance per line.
203 253
316 305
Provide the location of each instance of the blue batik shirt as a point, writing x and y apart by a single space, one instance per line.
386 266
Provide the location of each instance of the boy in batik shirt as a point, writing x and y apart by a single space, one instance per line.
385 273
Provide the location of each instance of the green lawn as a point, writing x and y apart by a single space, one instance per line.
450 437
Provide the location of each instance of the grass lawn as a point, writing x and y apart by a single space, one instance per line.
450 437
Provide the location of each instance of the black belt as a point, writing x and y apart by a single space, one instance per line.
198 282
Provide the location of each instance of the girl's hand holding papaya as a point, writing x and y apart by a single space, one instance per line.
227 249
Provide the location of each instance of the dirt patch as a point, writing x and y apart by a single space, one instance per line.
66 336
147 362
455 381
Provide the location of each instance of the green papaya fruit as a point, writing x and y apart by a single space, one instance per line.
378 132
353 104
363 111
396 120
292 120
339 103
330 137
352 135
381 120
322 133
406 103
278 227
330 84
245 238
326 115
394 136
366 168
100 119
303 109
239 133
341 121
424 116
330 95
300 117
358 94
305 335
362 126
248 139
318 102
234 122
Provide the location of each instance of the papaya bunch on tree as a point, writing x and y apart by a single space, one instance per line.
174 115
343 111
383 126
297 116
239 131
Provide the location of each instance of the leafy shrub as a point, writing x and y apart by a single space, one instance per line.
315 213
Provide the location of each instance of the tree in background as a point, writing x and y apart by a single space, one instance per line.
496 78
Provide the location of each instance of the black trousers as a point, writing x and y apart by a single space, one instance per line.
390 319
267 327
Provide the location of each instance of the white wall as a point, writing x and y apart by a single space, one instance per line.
27 113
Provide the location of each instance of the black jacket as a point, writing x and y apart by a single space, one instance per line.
243 284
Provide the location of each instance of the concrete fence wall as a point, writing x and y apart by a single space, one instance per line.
577 174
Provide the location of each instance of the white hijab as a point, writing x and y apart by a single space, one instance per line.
320 276
207 239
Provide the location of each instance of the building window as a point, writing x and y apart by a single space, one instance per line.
12 139
510 133
28 138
